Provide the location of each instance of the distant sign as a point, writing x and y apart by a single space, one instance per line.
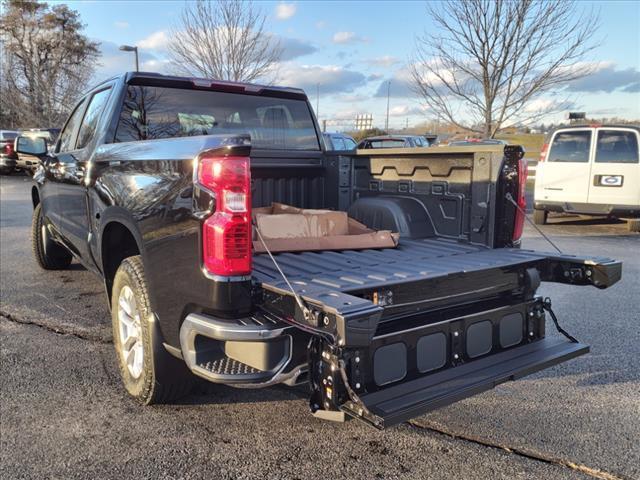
576 115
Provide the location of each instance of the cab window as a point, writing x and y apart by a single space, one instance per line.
90 121
66 136
571 146
617 146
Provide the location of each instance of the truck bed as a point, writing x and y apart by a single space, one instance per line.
352 270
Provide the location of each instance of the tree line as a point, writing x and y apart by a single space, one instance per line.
482 66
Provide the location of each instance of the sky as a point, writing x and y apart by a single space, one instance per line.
352 49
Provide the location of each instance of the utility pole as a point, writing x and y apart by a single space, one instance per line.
386 123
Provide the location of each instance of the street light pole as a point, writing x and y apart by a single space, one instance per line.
386 123
129 48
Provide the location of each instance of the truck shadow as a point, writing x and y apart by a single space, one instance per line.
205 393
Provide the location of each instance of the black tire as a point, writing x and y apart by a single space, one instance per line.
540 217
6 170
164 378
47 253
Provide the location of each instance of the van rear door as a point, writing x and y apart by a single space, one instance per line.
615 170
564 176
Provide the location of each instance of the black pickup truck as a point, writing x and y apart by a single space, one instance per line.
151 186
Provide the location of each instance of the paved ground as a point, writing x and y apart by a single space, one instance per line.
64 414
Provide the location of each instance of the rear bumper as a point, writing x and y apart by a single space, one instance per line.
588 208
256 351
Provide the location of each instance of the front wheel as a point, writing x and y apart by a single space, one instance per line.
149 373
540 217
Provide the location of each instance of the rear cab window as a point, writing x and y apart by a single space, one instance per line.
617 146
151 112
570 146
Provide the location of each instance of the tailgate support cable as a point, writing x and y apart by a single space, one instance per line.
306 311
509 197
546 304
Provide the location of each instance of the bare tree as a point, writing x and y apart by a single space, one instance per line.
490 60
46 63
225 40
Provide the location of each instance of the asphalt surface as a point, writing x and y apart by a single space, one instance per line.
64 414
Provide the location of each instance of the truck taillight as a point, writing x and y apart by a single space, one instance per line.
521 200
8 148
226 234
543 153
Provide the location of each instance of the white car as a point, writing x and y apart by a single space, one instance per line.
591 169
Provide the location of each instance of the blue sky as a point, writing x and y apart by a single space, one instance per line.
353 48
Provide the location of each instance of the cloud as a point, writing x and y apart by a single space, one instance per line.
156 41
294 48
401 85
606 78
332 79
342 38
383 61
320 24
285 11
546 104
374 76
406 110
121 25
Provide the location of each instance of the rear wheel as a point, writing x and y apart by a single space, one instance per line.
6 170
149 373
48 253
540 217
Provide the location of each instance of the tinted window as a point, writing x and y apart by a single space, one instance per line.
570 147
349 144
386 144
338 143
615 146
274 123
90 121
66 136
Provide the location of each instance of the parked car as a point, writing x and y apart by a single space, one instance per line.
163 217
473 141
589 169
338 142
394 141
8 156
28 163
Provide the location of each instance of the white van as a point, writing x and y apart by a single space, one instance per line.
591 169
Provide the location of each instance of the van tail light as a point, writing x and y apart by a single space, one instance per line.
8 148
226 234
521 200
543 153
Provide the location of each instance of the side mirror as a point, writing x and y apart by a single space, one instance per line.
36 146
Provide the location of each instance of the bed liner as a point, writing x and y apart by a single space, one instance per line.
351 270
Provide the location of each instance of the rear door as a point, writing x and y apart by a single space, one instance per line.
565 175
72 192
615 171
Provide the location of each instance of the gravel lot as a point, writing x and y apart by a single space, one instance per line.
64 414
